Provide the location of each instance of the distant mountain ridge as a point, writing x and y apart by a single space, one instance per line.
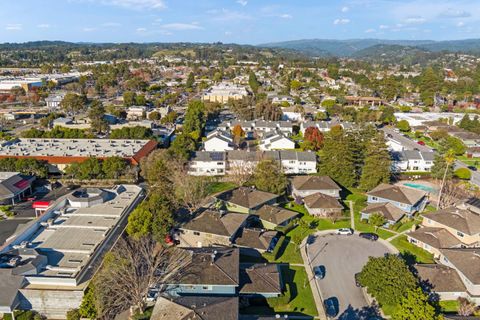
360 47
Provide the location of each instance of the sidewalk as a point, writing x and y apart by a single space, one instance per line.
317 295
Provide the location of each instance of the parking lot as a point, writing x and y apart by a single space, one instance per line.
342 257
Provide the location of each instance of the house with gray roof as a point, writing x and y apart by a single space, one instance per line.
412 161
407 199
260 280
252 240
322 205
442 280
219 140
274 216
275 141
391 213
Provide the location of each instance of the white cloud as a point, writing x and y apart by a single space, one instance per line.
455 13
341 21
229 15
242 2
140 30
14 27
285 16
43 26
415 20
460 24
181 26
383 27
88 29
345 9
370 31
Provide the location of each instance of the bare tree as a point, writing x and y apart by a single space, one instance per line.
190 191
240 172
452 193
130 270
449 160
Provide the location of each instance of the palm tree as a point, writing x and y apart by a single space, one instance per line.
449 158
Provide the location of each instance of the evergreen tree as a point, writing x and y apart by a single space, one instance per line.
429 86
338 159
190 81
253 82
268 176
377 166
415 306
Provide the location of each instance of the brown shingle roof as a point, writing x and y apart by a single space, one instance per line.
196 307
465 260
276 215
322 201
435 237
462 220
440 277
246 197
215 222
202 269
314 183
388 210
255 238
260 278
397 193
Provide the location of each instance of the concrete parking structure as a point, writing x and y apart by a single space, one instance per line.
343 256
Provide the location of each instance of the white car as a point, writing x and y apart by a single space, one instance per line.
345 231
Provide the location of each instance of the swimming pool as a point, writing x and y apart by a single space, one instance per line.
421 187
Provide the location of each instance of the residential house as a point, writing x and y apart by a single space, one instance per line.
274 216
209 271
245 200
252 241
467 263
218 140
53 101
193 307
413 161
275 141
321 205
260 280
224 92
136 112
204 163
473 152
283 100
324 126
391 213
469 139
259 127
211 228
303 186
442 280
407 199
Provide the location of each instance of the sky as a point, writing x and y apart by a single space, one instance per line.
236 21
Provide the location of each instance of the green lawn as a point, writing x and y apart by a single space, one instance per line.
286 252
408 225
297 298
219 186
449 306
402 244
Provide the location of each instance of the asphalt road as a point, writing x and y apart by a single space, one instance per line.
343 256
475 179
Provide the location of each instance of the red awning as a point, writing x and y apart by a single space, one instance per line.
22 184
40 204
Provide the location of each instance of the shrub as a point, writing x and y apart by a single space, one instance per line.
463 173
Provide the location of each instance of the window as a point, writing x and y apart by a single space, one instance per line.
196 233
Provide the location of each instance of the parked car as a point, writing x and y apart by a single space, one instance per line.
331 307
473 168
319 272
357 281
345 231
369 236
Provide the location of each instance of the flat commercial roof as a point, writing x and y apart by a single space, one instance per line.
72 147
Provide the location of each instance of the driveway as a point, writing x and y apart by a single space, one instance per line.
342 257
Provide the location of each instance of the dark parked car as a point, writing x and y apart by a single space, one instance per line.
319 272
369 236
357 281
331 307
473 168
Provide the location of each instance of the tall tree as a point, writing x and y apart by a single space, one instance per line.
378 164
449 160
96 113
338 159
190 81
253 82
268 176
73 103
